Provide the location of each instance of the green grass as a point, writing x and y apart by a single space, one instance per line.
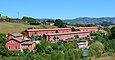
6 27
106 56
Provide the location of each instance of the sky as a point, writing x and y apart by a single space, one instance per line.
63 9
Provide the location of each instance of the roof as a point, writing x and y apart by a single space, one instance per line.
27 43
25 38
82 42
20 40
17 34
78 32
87 27
51 29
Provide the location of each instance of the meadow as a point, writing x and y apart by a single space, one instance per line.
6 27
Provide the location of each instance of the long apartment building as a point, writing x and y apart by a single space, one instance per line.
61 33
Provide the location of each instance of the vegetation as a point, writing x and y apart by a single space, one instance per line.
6 27
60 23
101 45
105 21
60 51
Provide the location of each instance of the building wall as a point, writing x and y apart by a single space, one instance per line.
30 47
64 31
66 36
95 29
41 32
30 33
13 45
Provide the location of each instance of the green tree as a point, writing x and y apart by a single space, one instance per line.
60 55
54 55
23 33
76 36
96 49
113 32
29 19
73 29
59 23
3 50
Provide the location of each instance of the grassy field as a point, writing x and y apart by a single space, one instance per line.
106 56
6 27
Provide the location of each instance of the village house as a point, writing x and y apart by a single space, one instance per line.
19 42
82 43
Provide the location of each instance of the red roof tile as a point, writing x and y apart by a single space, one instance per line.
48 29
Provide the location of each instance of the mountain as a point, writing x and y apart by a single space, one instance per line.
87 20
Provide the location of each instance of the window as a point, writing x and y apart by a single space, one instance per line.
8 47
56 31
16 47
46 32
28 45
11 42
35 33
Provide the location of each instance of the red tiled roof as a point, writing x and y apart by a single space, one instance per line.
17 34
48 29
17 39
27 43
86 27
25 38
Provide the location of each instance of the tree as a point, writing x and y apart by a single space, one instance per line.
23 33
51 21
60 55
76 36
73 29
26 51
113 32
96 48
59 23
3 50
54 38
29 19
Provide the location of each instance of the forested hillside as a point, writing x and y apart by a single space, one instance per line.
88 20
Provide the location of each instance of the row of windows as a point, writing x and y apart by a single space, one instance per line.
26 45
88 30
52 32
16 47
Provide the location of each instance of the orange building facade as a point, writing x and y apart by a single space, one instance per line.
63 36
30 32
61 33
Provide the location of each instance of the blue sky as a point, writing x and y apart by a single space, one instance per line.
63 9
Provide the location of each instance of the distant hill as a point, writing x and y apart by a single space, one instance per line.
87 20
